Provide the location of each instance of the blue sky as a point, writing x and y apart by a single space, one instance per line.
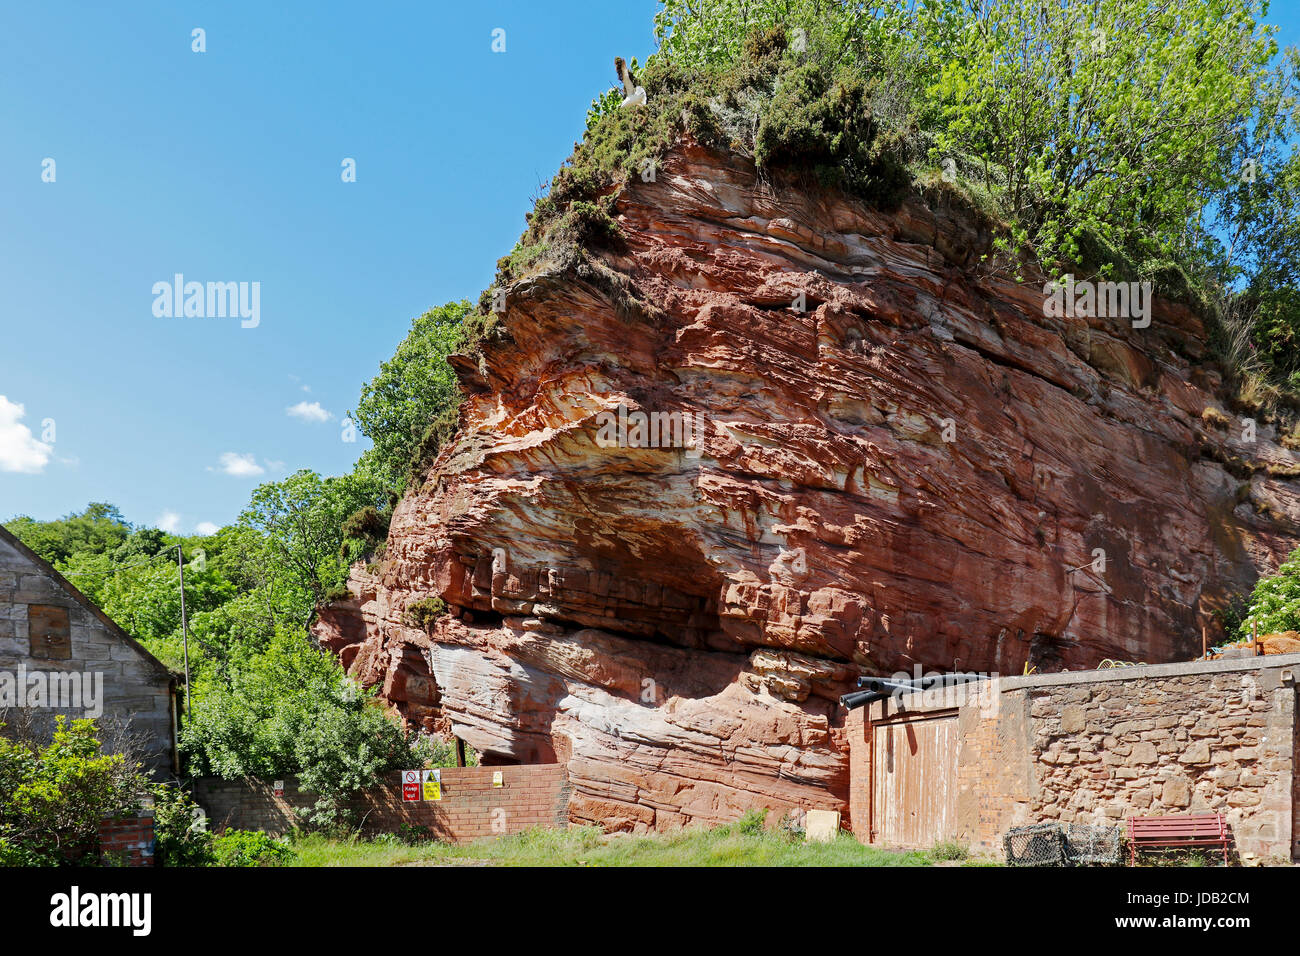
225 166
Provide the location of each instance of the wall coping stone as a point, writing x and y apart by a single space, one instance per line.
1147 671
916 703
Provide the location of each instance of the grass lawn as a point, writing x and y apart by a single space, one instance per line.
732 845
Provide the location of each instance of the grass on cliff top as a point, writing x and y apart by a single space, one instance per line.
587 846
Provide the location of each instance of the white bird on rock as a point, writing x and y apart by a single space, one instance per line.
633 95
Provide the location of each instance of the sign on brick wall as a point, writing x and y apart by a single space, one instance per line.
411 784
433 784
465 807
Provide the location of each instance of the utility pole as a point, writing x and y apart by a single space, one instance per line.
185 627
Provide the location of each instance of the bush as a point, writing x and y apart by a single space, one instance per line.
364 533
54 796
182 840
1275 602
293 710
424 613
824 123
250 848
443 426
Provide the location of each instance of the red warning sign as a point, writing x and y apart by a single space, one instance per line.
411 784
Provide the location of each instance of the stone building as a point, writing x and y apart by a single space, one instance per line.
1089 747
60 654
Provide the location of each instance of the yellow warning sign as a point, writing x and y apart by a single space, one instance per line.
433 784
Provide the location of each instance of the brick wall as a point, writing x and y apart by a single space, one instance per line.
530 796
1099 746
129 840
995 776
858 734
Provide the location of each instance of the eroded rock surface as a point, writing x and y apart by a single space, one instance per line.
919 469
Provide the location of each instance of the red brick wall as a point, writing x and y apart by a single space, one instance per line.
530 796
129 839
995 772
858 734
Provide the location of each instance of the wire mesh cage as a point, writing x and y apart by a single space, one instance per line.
1039 845
1086 843
1055 844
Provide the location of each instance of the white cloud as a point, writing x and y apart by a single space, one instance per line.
19 451
168 521
240 466
206 528
308 412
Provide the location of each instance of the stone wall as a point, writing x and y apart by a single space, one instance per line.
534 795
1098 746
50 633
1196 743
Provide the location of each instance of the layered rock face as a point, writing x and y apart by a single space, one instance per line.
917 469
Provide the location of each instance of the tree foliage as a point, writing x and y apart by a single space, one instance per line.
1275 603
412 390
301 523
265 701
296 711
54 796
1139 140
99 529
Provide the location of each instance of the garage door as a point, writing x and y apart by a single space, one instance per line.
914 781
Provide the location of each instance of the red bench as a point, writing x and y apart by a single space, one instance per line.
1188 829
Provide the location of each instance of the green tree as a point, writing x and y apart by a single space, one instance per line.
292 710
146 600
301 522
1113 121
413 389
99 529
1271 237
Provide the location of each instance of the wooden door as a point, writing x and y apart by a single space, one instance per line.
914 776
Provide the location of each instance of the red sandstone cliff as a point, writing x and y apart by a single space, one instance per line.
675 626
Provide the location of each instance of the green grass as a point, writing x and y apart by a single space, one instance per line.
587 846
